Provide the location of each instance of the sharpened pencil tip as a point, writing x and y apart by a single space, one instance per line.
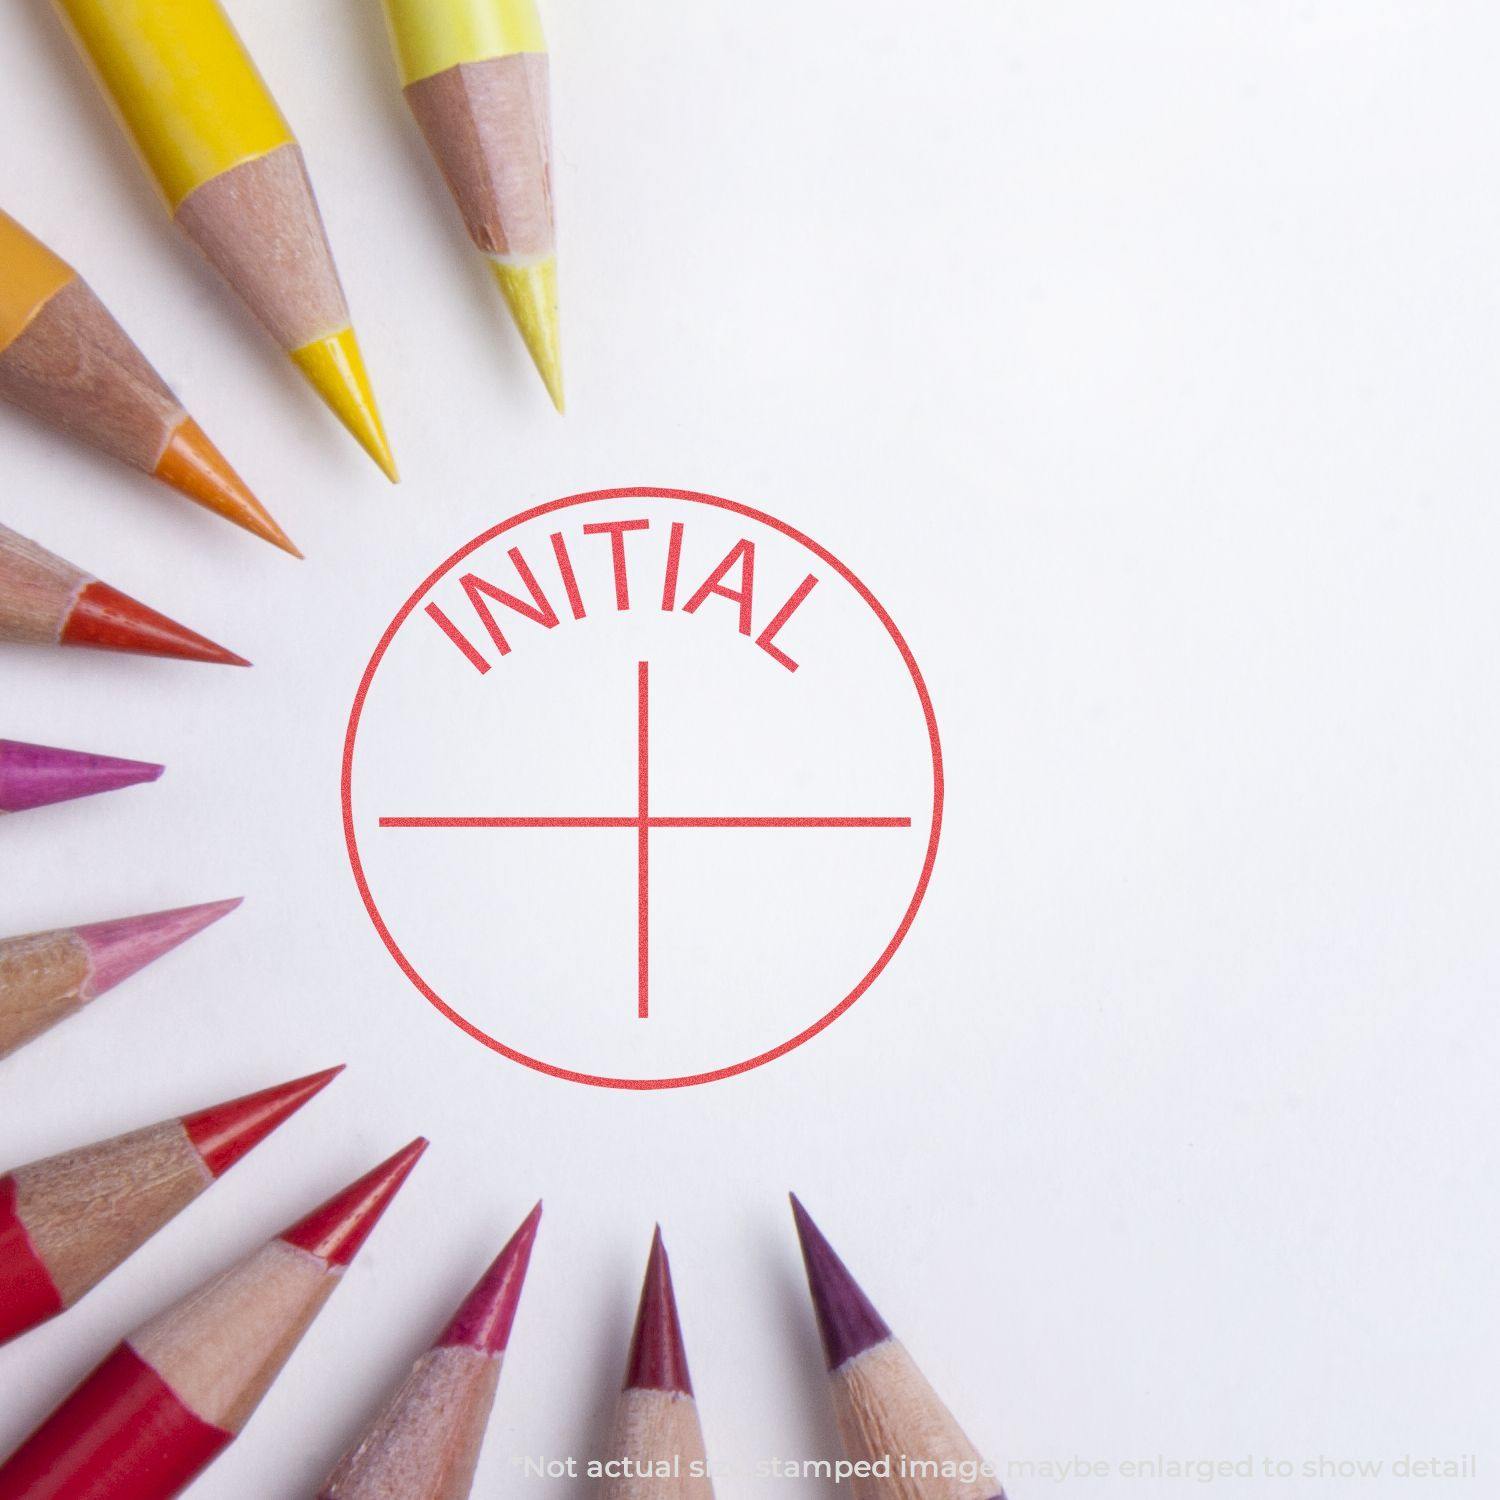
195 468
488 1313
335 368
224 1133
658 1355
40 775
336 1230
107 620
847 1319
530 292
123 947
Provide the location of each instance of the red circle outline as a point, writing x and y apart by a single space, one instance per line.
695 497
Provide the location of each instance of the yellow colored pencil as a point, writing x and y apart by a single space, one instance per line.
475 75
233 177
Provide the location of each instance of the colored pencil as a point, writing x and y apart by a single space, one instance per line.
38 775
656 1451
68 1221
232 174
425 1444
475 75
887 1412
45 601
180 1389
66 361
47 976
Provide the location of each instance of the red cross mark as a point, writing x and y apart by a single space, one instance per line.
643 821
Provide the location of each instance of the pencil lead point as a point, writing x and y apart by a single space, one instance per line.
336 370
224 1133
336 1230
847 1319
123 947
488 1313
531 294
658 1356
104 618
194 467
39 775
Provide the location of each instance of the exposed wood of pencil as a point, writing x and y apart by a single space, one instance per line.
68 1221
45 601
487 124
175 1393
887 1412
425 1445
48 976
259 226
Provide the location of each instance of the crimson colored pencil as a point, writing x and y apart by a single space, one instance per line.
888 1415
47 976
37 775
656 1451
68 1221
180 1389
425 1444
45 601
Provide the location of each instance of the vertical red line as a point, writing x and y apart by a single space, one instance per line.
643 838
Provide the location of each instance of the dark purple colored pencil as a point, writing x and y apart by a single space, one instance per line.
888 1415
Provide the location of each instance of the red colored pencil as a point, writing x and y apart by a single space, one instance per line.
179 1390
68 1221
890 1418
47 976
425 1444
45 601
656 1451
39 775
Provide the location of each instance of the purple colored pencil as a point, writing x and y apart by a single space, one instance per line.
889 1417
38 775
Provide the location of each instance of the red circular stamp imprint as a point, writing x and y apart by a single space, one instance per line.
642 788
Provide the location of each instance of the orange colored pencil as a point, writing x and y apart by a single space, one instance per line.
66 361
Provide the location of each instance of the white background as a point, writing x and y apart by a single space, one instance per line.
1143 360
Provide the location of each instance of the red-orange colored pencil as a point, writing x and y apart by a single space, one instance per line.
180 1389
890 1418
47 976
656 1451
45 601
425 1444
68 1221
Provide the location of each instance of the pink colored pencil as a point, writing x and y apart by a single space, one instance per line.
890 1418
47 976
425 1444
37 775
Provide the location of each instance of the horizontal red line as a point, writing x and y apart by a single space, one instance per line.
651 822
